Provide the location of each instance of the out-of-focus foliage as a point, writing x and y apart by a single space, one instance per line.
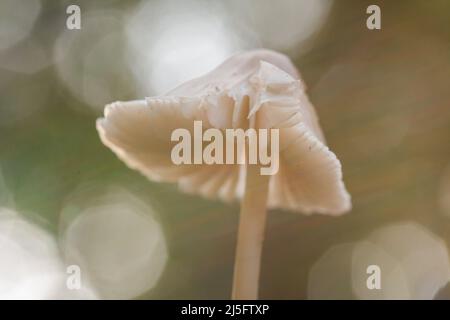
383 99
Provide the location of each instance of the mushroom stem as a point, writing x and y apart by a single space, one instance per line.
250 235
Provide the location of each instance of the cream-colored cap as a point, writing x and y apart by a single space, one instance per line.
259 89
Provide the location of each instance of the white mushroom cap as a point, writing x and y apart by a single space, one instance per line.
262 86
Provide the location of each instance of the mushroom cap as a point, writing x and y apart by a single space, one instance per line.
259 89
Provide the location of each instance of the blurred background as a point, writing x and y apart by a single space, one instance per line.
382 96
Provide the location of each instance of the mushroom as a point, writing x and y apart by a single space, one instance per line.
258 89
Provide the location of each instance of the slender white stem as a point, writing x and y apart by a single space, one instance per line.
250 235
